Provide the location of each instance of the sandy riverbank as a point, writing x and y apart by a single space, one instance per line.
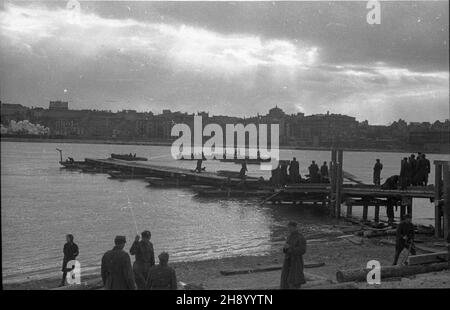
335 253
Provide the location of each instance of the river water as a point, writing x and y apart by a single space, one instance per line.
41 203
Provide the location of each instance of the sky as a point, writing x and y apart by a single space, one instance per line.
229 58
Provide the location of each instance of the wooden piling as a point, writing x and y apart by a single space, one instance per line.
437 189
377 213
365 209
339 181
446 197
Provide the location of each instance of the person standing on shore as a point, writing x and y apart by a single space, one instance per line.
145 258
70 251
404 238
162 276
314 176
243 170
292 276
377 172
116 270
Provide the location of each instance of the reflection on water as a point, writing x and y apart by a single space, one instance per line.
41 203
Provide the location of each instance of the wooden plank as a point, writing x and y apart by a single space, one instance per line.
427 258
229 272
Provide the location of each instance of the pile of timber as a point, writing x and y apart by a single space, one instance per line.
360 275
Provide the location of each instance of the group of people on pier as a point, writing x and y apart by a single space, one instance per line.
288 172
117 272
414 170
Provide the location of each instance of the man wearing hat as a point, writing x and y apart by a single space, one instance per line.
145 258
116 270
162 277
292 276
404 238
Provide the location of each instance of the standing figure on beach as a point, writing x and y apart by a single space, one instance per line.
377 172
70 251
404 238
292 276
116 270
162 276
145 258
294 171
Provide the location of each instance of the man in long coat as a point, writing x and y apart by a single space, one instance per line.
116 270
145 258
70 251
292 276
294 171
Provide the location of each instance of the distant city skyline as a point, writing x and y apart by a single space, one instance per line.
236 59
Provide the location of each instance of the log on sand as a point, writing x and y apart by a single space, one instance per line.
230 272
388 272
427 258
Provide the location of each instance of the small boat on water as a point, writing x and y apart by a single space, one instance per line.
129 157
232 193
73 165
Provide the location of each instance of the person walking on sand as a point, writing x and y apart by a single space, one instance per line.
116 270
161 276
145 258
377 172
404 238
292 276
70 251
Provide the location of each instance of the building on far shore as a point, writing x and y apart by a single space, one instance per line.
295 130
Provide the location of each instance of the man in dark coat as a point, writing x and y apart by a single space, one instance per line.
314 172
292 276
428 169
421 170
294 171
324 171
411 171
404 238
403 173
145 258
70 251
162 277
116 270
243 170
377 172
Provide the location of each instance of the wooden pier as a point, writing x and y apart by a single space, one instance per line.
332 196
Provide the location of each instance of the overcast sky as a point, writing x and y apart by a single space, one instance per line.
229 57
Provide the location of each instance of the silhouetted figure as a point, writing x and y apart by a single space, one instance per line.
199 166
294 171
391 183
314 172
235 154
258 155
275 176
324 171
70 251
411 171
243 170
421 173
283 173
428 169
403 173
292 276
404 238
203 156
161 276
377 172
192 156
116 270
145 258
